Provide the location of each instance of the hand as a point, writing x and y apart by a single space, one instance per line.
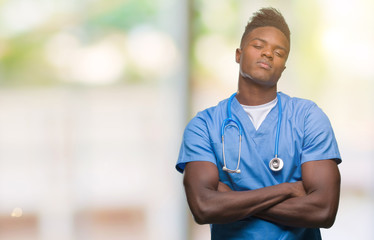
223 187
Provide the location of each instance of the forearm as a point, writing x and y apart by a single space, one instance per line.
223 207
318 208
305 211
213 202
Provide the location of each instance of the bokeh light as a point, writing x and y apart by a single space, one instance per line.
95 94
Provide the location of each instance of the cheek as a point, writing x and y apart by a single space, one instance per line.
280 66
247 60
248 54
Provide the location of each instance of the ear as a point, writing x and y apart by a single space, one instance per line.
237 55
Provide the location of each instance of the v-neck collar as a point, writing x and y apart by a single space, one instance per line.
271 119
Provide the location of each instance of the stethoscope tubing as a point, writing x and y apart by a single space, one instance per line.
276 163
278 125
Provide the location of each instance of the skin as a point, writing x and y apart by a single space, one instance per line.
312 202
262 59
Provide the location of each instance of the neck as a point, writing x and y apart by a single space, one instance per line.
253 95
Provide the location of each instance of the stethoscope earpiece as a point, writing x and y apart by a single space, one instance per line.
231 171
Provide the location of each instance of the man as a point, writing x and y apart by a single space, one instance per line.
280 180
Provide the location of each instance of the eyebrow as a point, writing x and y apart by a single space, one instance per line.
264 41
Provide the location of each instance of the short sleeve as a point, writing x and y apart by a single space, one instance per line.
196 144
319 138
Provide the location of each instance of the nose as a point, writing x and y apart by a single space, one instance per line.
267 53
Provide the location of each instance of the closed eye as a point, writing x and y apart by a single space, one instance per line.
279 54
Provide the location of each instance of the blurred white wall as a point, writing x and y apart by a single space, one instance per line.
92 117
67 156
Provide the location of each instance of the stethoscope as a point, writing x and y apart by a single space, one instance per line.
275 164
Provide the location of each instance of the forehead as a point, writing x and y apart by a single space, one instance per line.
271 35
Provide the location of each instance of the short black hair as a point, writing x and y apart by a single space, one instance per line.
267 17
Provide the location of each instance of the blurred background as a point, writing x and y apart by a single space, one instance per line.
95 94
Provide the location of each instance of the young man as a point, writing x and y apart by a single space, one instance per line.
262 165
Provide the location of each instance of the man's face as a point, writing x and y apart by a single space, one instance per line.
262 56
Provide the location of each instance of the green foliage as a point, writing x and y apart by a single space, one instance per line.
22 55
124 16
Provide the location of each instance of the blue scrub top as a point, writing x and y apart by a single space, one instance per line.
305 135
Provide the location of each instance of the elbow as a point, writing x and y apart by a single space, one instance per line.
204 211
323 223
330 214
328 221
201 214
327 218
328 225
200 219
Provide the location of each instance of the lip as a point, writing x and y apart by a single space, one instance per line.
264 64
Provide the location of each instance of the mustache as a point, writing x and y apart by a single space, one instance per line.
264 61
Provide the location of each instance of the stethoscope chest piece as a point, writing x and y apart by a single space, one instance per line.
276 164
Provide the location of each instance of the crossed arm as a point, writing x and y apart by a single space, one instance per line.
312 202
